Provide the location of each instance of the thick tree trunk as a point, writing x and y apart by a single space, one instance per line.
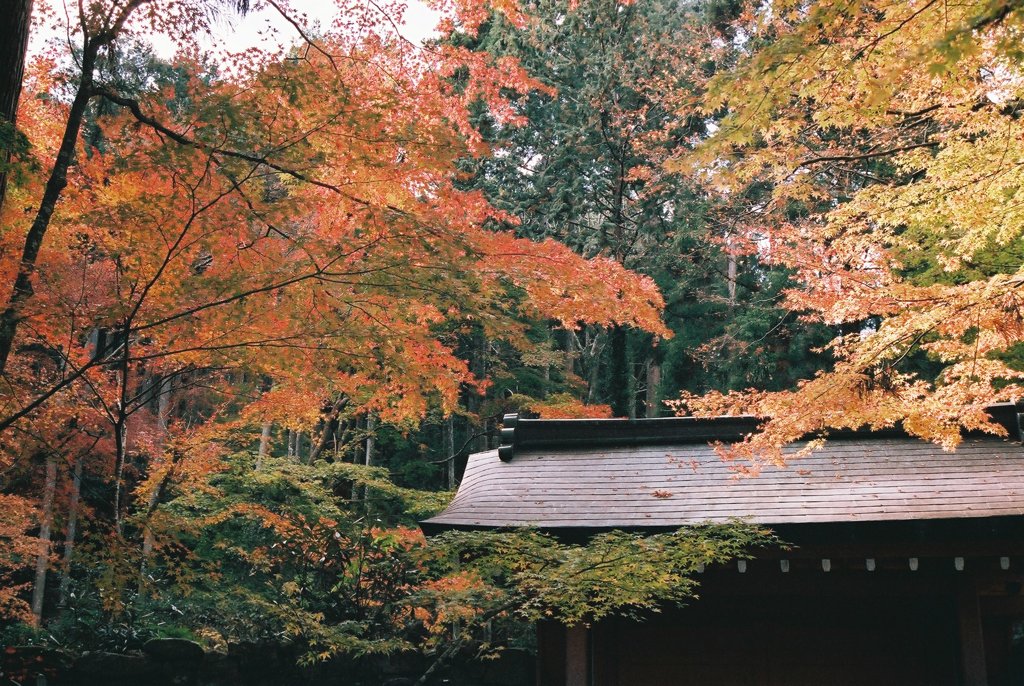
15 21
69 539
45 525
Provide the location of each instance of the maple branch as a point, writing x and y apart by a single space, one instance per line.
878 39
270 342
78 373
982 21
235 297
180 138
398 31
56 388
313 44
863 156
135 108
472 437
169 256
107 36
460 642
916 113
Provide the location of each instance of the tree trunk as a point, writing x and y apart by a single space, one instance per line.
478 365
369 457
371 439
732 268
268 428
449 451
619 394
22 287
163 419
120 434
69 540
328 430
15 21
593 349
653 386
570 355
45 525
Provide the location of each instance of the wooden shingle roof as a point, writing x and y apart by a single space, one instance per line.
603 475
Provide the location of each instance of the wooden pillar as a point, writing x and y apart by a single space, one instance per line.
972 645
577 656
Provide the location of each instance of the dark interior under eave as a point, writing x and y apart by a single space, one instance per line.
939 606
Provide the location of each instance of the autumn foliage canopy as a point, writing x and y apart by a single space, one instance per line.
254 245
889 137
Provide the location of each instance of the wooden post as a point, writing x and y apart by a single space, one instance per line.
577 658
972 644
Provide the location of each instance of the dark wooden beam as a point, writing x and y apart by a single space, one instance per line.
972 643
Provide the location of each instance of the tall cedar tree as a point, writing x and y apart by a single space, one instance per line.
588 168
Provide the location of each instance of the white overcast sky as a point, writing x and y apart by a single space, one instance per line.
266 28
